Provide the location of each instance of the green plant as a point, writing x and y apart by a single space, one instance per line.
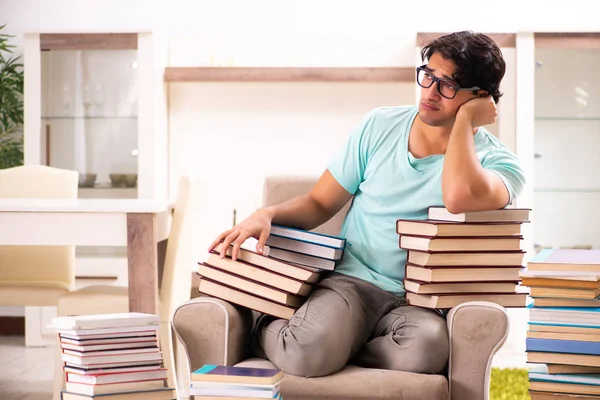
11 105
509 384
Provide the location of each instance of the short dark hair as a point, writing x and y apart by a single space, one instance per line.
478 59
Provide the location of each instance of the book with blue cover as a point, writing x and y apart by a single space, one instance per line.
562 346
322 239
221 373
541 373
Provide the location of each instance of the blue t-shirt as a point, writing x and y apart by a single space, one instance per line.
389 183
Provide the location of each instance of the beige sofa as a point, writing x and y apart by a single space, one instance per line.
216 332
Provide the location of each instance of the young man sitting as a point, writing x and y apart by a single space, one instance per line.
396 164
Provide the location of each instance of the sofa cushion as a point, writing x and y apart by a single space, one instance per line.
354 382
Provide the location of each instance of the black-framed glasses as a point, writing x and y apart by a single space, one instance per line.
445 88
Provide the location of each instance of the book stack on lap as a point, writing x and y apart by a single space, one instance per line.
456 258
263 282
217 382
112 357
563 333
309 249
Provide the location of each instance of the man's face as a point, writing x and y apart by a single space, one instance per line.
434 109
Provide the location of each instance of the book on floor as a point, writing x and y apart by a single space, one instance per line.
118 377
99 321
562 346
565 260
580 337
153 394
564 293
535 395
542 373
430 227
560 387
560 302
571 369
236 296
538 357
559 315
502 215
452 300
563 328
453 244
94 390
276 265
308 236
566 274
220 373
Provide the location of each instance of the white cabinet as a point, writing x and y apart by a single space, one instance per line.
95 103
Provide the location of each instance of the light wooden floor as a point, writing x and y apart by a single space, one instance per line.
26 373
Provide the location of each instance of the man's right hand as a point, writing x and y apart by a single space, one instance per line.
257 225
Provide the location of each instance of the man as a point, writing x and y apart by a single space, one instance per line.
397 163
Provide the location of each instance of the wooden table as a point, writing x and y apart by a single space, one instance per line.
136 223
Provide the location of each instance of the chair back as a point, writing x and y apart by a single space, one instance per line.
179 259
22 265
280 188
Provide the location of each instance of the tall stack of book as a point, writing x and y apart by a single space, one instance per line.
456 258
276 282
217 382
563 334
112 356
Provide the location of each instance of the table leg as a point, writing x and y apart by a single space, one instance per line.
142 261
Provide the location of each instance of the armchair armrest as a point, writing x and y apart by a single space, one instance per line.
476 331
213 331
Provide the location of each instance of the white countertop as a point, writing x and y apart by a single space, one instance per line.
83 205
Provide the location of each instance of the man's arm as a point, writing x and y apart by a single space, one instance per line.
318 206
466 185
325 199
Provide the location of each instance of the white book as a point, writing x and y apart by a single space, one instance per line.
308 236
120 358
104 321
312 249
118 378
109 333
303 260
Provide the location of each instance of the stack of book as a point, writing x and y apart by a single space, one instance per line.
112 356
563 333
309 249
217 382
264 282
456 258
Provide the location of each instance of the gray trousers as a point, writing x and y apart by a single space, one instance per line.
347 319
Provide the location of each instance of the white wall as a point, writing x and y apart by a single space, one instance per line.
234 134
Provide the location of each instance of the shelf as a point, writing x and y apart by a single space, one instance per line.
567 40
558 190
90 117
288 74
567 118
501 39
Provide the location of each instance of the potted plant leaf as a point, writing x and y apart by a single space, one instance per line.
11 105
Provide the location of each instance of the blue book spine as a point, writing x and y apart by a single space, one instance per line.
562 346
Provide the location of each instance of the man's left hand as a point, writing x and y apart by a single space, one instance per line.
480 111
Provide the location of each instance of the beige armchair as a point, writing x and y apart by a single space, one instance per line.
216 332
